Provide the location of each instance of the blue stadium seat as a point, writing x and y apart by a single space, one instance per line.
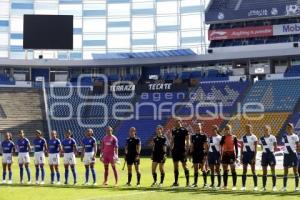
275 95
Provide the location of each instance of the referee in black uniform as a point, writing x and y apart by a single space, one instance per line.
159 155
199 149
132 155
180 144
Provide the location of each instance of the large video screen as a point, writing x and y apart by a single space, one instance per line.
48 32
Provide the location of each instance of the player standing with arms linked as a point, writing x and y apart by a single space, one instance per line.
248 155
180 145
290 159
199 148
8 148
229 154
159 155
69 151
268 143
132 155
88 155
109 154
40 149
214 157
54 151
23 147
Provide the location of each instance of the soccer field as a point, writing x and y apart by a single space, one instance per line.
79 192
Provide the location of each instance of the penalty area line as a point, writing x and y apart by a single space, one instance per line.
116 196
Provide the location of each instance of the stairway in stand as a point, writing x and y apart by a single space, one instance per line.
22 109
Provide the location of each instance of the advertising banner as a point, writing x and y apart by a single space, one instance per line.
238 33
286 29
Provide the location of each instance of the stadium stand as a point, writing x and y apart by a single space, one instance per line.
22 110
6 80
156 99
78 127
85 107
274 95
275 120
292 71
295 119
145 129
224 95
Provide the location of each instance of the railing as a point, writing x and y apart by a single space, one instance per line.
46 108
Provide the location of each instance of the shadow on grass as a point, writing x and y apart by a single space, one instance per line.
195 191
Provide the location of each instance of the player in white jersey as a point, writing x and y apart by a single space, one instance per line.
291 148
268 144
214 156
248 155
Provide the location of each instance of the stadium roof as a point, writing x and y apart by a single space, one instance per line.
212 58
151 54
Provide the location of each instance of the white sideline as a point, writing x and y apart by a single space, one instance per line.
115 196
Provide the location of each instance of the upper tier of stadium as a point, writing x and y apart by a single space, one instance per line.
219 11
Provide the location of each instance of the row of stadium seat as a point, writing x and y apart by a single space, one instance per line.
295 119
145 129
224 95
292 71
61 126
6 80
258 121
274 95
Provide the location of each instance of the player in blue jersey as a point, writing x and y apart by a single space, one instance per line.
88 155
214 157
54 154
40 149
269 144
290 160
248 156
23 147
69 150
8 148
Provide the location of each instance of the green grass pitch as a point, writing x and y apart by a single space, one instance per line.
145 192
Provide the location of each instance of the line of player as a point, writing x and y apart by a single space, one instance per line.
222 149
216 151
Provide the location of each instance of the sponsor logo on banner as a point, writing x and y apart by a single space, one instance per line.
238 33
286 29
160 86
122 88
263 12
258 13
155 87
